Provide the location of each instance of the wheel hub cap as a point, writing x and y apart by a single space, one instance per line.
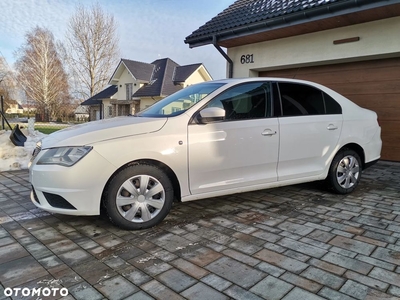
348 171
140 198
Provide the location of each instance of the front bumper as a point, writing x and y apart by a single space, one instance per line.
75 190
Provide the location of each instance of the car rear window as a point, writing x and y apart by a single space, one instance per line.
300 99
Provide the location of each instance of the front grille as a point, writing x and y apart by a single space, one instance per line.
57 201
35 197
36 152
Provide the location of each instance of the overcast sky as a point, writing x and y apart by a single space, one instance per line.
148 29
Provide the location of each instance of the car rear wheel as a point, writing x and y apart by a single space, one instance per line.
139 196
345 171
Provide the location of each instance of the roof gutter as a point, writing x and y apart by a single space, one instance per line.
228 59
317 13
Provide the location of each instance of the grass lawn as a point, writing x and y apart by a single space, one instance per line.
49 128
45 128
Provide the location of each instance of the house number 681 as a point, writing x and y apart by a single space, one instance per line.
246 59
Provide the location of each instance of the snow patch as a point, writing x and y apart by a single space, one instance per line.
13 157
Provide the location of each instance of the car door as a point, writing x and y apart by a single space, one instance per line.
310 128
241 150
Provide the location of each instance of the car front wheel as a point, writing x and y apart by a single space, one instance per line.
345 171
139 196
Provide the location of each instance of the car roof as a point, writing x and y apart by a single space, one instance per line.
250 79
234 81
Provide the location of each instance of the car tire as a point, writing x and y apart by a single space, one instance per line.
138 197
345 172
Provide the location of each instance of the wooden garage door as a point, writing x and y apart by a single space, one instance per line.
371 84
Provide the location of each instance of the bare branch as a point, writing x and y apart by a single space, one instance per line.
41 72
92 47
7 83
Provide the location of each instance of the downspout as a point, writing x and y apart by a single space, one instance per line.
228 59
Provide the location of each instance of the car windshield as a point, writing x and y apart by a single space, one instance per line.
180 101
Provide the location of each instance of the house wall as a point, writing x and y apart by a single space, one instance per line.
378 39
199 76
107 108
146 102
79 117
126 77
94 113
13 109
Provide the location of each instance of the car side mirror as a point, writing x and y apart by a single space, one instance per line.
211 114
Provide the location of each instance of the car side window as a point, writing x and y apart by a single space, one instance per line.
300 99
245 101
331 106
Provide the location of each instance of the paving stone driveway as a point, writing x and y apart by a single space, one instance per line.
296 242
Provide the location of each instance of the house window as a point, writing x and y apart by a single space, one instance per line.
128 87
110 111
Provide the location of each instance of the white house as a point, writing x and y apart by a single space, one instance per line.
97 109
14 108
81 113
137 85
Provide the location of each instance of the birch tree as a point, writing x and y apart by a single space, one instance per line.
3 69
41 72
92 48
7 83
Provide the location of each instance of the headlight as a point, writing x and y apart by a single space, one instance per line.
64 156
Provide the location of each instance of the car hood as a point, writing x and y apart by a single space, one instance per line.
107 129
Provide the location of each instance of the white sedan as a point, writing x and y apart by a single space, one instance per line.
210 139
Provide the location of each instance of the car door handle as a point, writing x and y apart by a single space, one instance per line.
331 127
268 132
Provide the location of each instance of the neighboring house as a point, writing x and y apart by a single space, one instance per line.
81 113
97 110
14 108
137 85
29 109
351 46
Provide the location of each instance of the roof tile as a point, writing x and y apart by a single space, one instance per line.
140 70
247 12
160 83
104 94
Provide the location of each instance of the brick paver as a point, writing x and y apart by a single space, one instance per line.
297 242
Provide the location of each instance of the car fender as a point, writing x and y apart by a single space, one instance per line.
170 150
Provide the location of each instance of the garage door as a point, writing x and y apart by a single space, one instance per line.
371 84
